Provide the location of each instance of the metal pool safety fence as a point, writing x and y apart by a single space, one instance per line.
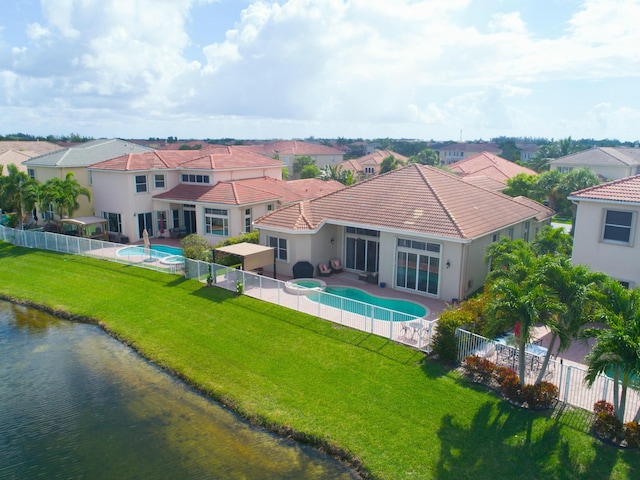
397 326
569 379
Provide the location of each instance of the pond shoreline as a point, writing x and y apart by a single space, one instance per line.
281 430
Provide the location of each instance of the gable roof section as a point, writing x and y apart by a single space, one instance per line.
601 156
251 190
86 154
214 157
373 159
31 148
417 198
489 165
624 190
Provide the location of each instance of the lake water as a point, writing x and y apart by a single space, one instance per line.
75 403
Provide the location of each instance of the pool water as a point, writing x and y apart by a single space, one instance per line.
163 253
360 302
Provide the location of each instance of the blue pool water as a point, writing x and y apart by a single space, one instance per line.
362 303
164 253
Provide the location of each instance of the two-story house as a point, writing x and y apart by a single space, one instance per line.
607 162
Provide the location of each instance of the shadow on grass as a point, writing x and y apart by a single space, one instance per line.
505 441
8 250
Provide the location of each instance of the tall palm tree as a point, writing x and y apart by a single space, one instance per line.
18 191
551 240
519 303
509 258
617 347
579 290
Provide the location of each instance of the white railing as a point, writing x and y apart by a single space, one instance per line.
397 326
569 379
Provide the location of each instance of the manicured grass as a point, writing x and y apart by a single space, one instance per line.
402 416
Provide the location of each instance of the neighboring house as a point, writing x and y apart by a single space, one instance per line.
422 229
459 151
488 165
607 229
76 159
17 152
607 162
216 192
288 150
369 165
528 151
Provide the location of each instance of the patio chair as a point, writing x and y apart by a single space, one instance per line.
324 270
336 266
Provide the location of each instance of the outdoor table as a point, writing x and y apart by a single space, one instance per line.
416 326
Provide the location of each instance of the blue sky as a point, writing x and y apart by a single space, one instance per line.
433 69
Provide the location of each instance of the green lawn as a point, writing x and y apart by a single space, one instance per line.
380 403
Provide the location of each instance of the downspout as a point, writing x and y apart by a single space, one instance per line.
463 270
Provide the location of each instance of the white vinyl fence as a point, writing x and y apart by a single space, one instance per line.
397 326
569 379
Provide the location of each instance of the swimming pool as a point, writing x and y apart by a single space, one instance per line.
358 301
163 253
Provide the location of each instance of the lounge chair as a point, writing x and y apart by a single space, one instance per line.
336 266
324 270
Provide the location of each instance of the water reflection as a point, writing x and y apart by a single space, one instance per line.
75 403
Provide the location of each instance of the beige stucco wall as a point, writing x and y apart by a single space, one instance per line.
81 174
608 172
621 262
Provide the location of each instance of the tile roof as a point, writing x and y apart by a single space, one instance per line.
292 147
31 148
252 190
489 165
626 190
601 156
471 147
86 154
218 157
373 159
417 198
485 182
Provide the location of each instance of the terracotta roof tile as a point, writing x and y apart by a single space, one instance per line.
249 191
292 147
417 198
489 165
622 190
214 157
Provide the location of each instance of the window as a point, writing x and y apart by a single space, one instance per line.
280 245
617 226
115 221
216 221
49 214
270 207
90 177
369 170
141 183
363 231
527 226
194 178
31 172
510 233
159 180
247 220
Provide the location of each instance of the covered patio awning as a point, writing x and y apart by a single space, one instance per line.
253 256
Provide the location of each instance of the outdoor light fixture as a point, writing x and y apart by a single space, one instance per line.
448 264
332 241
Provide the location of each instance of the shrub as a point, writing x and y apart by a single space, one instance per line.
603 406
445 344
479 368
196 247
607 426
541 395
511 389
501 372
632 434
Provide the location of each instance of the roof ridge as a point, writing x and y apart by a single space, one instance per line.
437 196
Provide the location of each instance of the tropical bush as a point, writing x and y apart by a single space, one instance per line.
632 434
196 247
478 368
606 424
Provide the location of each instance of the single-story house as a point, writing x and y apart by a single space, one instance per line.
419 228
607 230
607 162
215 192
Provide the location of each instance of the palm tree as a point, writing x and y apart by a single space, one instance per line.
509 258
617 346
17 192
547 187
336 172
519 303
551 240
578 289
64 194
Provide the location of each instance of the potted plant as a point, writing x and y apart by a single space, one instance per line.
210 277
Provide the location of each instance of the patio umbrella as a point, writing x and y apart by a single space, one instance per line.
147 243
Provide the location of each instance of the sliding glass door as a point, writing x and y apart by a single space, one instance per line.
362 254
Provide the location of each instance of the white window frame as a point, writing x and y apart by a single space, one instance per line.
248 220
630 227
211 218
32 173
162 178
281 247
137 184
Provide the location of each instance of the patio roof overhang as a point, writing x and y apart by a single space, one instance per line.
253 256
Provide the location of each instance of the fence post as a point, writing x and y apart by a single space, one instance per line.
567 384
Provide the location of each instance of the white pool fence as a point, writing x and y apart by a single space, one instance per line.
397 326
569 378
